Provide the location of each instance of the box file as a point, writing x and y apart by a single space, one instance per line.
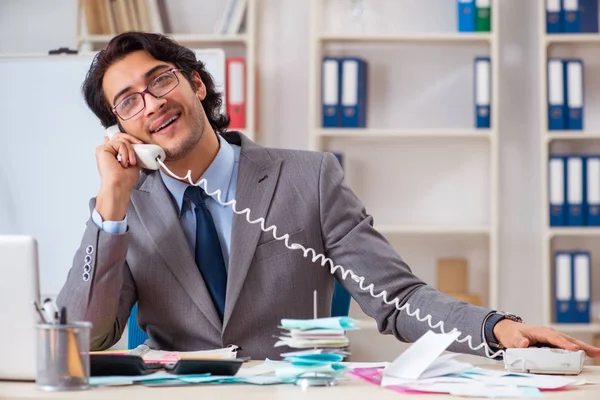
571 14
482 92
556 95
563 287
574 83
581 286
331 90
483 15
554 16
557 191
575 191
592 189
354 92
466 15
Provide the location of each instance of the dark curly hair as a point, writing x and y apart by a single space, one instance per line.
162 48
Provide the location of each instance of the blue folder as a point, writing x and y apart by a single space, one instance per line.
592 177
574 83
557 192
354 92
581 287
572 22
482 75
576 193
563 287
466 15
554 16
588 13
331 91
556 95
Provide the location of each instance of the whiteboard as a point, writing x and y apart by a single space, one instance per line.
47 165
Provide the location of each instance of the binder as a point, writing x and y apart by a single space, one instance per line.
581 287
331 90
483 12
556 95
466 15
554 16
482 92
575 191
574 82
557 191
235 78
571 14
354 92
563 287
588 14
593 190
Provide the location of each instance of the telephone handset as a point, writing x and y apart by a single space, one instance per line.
145 154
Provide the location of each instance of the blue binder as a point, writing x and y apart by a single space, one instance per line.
588 13
592 175
466 15
556 95
331 91
354 92
572 22
574 78
581 287
557 191
554 16
563 287
483 76
576 191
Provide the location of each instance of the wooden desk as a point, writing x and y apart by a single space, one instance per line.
348 389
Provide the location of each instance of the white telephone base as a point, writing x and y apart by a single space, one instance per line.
544 360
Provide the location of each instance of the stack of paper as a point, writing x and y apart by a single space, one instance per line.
325 340
423 368
316 333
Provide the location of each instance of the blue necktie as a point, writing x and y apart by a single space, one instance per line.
209 257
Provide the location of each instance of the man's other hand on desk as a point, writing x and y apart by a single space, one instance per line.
513 334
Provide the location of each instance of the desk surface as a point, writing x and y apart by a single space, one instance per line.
348 389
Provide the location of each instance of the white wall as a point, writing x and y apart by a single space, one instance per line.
37 25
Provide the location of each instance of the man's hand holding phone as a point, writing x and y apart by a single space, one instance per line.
119 173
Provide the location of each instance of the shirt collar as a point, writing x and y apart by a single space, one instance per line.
217 175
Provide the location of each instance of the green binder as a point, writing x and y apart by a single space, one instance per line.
483 12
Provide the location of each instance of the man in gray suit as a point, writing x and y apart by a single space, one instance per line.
202 276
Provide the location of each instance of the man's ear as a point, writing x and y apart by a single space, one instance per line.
198 86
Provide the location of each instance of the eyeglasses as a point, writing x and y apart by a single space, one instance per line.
160 86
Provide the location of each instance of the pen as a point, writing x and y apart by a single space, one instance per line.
63 316
39 311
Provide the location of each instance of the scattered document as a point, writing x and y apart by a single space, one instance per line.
343 323
159 356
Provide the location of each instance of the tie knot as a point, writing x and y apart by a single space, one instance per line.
196 194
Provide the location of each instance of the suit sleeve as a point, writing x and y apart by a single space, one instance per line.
351 241
99 286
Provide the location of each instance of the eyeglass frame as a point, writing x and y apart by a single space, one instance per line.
147 91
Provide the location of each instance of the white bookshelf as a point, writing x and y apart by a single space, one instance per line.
561 238
480 234
247 40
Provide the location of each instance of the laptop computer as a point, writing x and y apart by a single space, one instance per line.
19 287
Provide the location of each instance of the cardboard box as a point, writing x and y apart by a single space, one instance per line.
470 298
452 275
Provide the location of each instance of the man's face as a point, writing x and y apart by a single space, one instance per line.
182 105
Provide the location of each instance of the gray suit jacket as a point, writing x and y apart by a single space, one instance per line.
303 194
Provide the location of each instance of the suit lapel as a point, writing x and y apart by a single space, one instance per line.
257 178
166 232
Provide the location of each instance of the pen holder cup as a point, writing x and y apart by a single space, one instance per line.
63 359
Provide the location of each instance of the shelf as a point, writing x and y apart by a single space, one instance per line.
574 231
573 38
571 135
180 38
404 133
421 37
577 328
431 230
